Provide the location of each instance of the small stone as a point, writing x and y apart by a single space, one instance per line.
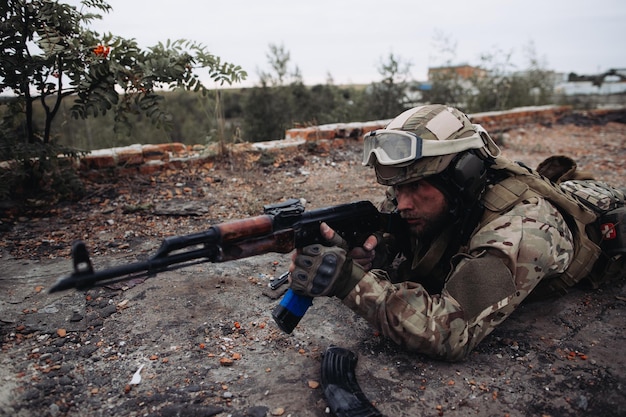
226 362
76 317
54 410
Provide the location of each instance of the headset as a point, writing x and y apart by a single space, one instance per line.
464 180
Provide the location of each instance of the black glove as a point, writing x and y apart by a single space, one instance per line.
324 271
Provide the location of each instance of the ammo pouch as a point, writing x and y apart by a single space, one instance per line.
588 206
608 231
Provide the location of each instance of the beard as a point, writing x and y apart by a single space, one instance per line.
427 227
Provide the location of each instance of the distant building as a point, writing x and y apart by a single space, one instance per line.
465 72
610 82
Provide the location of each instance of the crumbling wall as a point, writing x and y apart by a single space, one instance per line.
145 159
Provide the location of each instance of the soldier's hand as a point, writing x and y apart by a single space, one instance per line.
363 255
317 269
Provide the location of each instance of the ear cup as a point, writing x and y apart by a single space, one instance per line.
468 174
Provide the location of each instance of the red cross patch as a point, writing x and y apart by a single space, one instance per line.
608 231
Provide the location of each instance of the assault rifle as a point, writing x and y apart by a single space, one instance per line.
281 228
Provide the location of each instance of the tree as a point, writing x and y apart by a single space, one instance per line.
49 54
387 98
268 109
283 100
446 85
279 59
541 81
496 84
505 87
492 92
45 45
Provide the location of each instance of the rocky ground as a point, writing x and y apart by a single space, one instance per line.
200 341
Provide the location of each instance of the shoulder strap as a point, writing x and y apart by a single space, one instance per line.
523 183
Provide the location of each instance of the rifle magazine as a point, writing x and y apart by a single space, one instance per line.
341 389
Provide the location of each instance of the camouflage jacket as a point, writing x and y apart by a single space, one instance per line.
522 246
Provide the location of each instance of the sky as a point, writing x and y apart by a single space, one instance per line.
347 40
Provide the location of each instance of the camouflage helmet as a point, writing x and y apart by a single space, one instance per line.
422 142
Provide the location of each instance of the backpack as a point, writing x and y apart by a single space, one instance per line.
609 229
594 211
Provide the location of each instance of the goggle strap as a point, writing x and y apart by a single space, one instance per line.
445 147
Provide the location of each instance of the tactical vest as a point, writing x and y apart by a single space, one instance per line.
589 262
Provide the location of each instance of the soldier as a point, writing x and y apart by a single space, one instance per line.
484 234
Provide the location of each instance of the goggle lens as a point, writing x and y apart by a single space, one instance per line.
391 148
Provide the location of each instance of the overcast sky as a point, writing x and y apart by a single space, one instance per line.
348 39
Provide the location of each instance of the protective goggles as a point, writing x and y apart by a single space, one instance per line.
396 147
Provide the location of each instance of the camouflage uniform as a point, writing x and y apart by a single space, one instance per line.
513 234
534 242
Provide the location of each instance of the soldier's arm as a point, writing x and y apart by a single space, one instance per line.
507 258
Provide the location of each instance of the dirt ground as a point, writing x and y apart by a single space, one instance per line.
202 338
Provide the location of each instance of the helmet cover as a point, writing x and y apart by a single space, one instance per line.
430 123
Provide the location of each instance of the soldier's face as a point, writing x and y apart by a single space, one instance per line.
423 207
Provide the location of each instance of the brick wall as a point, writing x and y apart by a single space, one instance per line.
146 159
